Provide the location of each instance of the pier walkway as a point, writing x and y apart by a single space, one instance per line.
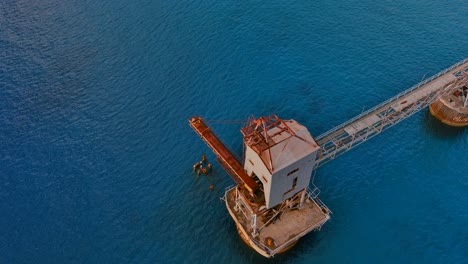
374 121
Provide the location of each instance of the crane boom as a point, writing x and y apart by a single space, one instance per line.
226 158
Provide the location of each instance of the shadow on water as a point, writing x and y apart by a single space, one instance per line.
440 130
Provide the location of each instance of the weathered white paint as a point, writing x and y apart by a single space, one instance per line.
288 152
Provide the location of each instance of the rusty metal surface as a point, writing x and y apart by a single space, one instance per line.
447 115
232 166
278 142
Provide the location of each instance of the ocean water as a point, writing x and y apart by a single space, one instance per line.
96 152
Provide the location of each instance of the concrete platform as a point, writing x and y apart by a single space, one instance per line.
450 113
278 235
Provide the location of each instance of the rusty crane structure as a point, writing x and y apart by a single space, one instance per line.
275 202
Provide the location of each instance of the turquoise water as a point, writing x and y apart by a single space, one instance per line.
96 152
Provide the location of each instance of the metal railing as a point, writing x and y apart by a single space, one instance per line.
313 195
396 97
342 141
226 190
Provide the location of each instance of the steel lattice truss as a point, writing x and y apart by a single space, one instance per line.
389 113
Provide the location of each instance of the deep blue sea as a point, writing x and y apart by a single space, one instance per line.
96 153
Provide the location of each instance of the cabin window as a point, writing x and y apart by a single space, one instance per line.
251 162
292 188
264 179
292 172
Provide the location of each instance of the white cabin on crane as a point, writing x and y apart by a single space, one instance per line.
281 154
271 204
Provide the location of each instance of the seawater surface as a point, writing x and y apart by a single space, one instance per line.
96 153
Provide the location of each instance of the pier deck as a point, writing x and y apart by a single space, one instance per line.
290 224
372 122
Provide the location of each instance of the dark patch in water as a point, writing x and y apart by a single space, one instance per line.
440 130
